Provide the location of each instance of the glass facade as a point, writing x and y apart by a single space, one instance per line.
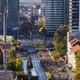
12 16
13 11
74 14
2 7
53 15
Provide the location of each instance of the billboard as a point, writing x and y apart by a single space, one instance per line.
6 46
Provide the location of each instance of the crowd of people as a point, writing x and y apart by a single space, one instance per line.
38 41
57 74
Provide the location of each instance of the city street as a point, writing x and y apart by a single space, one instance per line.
25 66
38 67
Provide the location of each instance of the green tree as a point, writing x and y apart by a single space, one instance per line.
40 23
60 39
25 27
12 54
1 58
77 58
77 76
11 64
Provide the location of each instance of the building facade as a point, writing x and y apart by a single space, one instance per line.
12 15
2 7
74 15
53 15
73 45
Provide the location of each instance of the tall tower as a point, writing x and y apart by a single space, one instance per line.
74 15
53 15
13 11
2 7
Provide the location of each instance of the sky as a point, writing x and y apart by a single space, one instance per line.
29 0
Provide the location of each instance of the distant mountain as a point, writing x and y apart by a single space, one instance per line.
30 0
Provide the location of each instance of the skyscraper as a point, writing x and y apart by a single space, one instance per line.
2 7
12 15
53 15
74 15
13 12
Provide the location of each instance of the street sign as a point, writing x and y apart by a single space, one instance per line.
6 46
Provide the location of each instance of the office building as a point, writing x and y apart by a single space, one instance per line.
53 15
65 12
13 15
2 7
74 15
42 9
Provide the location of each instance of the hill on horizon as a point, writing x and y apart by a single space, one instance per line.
30 0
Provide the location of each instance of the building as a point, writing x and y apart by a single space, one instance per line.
53 15
74 15
42 8
73 42
65 13
56 14
2 7
13 15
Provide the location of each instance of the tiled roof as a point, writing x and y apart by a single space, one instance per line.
73 41
75 48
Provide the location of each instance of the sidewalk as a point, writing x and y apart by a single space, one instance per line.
71 73
5 75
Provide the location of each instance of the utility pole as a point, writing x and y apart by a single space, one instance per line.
4 32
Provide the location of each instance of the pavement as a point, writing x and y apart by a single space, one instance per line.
5 75
71 74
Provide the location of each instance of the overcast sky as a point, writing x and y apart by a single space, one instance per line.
30 0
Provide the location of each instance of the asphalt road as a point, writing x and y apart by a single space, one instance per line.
25 66
38 67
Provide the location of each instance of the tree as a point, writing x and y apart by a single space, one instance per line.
40 23
1 58
77 76
60 39
77 58
12 54
37 13
25 27
11 64
15 64
55 55
19 64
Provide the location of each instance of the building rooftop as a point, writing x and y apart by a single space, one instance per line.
75 48
73 41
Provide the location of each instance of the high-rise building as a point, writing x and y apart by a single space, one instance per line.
53 15
65 12
42 13
13 14
2 7
74 15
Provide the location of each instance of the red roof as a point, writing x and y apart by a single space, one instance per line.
73 41
75 48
